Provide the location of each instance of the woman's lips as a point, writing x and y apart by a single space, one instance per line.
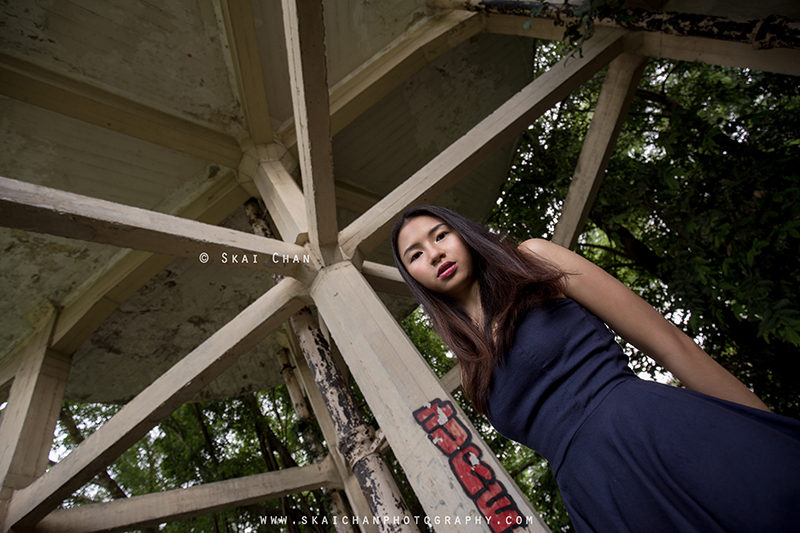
446 270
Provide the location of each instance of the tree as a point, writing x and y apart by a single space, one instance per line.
698 210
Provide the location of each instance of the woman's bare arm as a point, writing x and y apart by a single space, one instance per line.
640 324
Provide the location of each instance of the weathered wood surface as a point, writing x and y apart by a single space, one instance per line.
29 419
385 278
351 487
455 162
389 68
84 314
396 382
44 210
355 439
304 28
675 47
771 31
40 87
609 116
156 402
149 510
241 32
284 200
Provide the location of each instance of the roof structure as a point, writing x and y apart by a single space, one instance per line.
131 136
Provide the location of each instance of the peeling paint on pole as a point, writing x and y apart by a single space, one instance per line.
357 440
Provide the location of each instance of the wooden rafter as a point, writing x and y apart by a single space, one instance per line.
610 113
241 33
149 510
384 278
466 153
43 88
44 210
263 171
675 47
26 434
304 25
390 67
176 386
84 313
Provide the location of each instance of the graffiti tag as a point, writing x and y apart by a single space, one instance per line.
445 430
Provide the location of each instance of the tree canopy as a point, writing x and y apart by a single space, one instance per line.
698 210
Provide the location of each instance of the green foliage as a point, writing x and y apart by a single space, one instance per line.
203 443
699 209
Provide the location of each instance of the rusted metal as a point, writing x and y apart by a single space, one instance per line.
773 31
357 440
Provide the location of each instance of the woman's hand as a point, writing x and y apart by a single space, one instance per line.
640 324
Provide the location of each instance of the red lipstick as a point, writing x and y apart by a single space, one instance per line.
446 269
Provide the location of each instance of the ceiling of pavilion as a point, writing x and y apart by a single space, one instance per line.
174 59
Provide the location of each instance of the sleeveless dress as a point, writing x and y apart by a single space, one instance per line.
634 455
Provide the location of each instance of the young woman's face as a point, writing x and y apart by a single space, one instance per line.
436 256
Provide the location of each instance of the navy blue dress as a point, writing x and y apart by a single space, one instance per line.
634 455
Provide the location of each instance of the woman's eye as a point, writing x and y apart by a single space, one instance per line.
441 236
414 256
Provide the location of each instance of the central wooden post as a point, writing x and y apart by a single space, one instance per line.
459 481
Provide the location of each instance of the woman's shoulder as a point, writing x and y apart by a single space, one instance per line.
542 247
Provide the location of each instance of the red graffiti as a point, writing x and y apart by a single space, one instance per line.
477 478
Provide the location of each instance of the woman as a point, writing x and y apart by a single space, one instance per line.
527 326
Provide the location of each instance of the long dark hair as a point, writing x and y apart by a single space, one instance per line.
511 283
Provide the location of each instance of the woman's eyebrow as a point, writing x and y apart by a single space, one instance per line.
432 230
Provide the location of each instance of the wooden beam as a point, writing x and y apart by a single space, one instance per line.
675 47
609 116
399 386
305 44
241 32
722 53
452 380
40 87
264 172
149 510
455 162
384 278
176 386
392 66
29 419
44 210
84 313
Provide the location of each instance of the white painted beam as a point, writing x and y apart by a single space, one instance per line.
722 53
241 33
609 116
466 482
264 172
455 162
384 278
84 313
40 87
305 43
675 47
29 419
392 66
149 510
44 210
155 403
